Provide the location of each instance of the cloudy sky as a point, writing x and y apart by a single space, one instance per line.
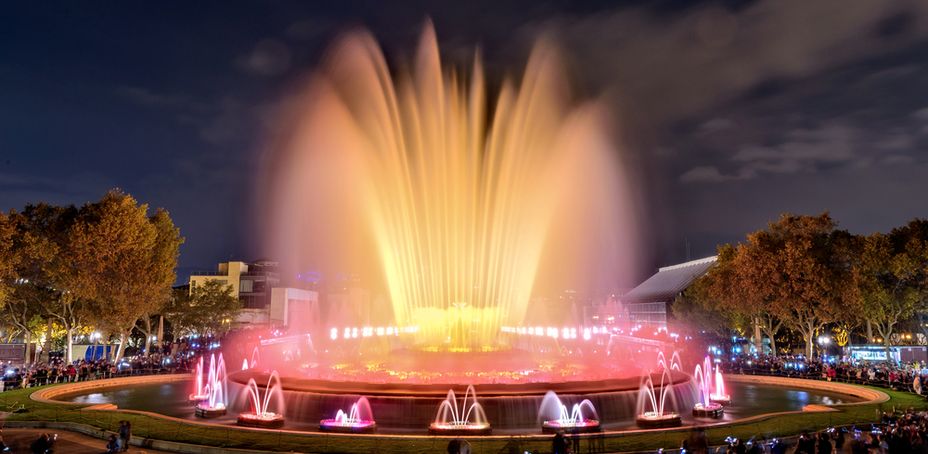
729 113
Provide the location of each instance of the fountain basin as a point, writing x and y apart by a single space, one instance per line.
589 425
651 420
267 420
332 425
437 428
204 411
712 410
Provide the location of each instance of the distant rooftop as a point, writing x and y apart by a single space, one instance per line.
669 281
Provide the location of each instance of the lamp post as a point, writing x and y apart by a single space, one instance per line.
823 342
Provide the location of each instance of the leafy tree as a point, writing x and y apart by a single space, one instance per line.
800 266
117 253
726 290
45 271
892 277
8 258
206 309
161 273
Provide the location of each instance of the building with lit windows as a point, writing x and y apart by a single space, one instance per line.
649 303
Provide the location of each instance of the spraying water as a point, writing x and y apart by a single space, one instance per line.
457 199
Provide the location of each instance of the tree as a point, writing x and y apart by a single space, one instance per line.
45 273
8 258
801 266
892 277
161 274
726 290
206 309
116 251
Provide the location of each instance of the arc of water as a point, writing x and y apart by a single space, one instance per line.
199 377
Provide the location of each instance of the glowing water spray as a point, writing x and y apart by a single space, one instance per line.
456 193
469 418
216 389
704 406
260 415
657 405
359 418
582 417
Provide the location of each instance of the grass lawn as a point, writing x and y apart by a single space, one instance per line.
157 428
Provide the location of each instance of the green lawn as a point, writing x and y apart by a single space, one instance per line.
157 428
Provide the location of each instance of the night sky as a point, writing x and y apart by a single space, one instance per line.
730 113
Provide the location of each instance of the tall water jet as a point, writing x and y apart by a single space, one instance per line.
216 390
260 414
657 405
466 419
456 200
582 416
359 418
704 406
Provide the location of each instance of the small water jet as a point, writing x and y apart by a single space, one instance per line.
468 419
657 414
555 416
199 393
216 389
359 418
719 395
705 407
259 415
675 362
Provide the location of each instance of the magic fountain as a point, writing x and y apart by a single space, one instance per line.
657 406
359 418
555 416
260 415
466 419
215 389
705 407
455 199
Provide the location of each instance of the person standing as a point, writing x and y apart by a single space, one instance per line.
125 432
559 444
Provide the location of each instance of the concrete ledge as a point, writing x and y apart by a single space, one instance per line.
48 395
869 395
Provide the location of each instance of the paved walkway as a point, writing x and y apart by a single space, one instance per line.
68 442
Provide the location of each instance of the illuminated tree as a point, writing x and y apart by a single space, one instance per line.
122 256
892 277
801 267
207 308
725 290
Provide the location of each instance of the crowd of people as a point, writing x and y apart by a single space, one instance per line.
168 359
901 376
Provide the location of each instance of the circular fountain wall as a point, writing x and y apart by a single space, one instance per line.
508 406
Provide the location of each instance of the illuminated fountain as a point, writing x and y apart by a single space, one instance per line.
719 395
555 416
452 200
199 393
260 416
468 419
358 419
675 363
437 174
244 364
653 410
216 390
705 407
